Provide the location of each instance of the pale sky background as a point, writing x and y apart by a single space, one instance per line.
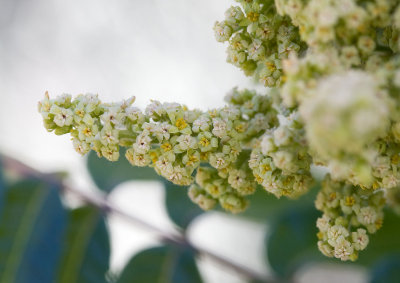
154 49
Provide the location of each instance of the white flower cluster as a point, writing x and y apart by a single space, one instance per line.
351 123
169 137
280 162
346 107
343 22
259 39
303 73
349 213
335 71
212 186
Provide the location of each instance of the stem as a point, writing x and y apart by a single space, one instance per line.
102 203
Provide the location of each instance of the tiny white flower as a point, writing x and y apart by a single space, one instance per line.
162 131
233 15
343 249
63 117
335 233
134 114
109 135
367 215
164 165
111 152
88 120
201 124
222 31
325 249
141 159
282 136
360 239
155 108
259 122
172 108
63 99
230 112
219 127
285 161
323 223
186 142
218 161
177 174
204 202
256 50
81 147
113 116
142 144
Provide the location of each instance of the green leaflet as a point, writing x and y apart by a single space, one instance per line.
32 223
179 207
86 250
387 270
165 264
292 241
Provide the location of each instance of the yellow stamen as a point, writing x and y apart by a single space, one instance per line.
180 124
204 156
204 142
270 66
87 132
350 201
212 113
166 146
192 160
395 159
252 16
153 156
240 128
265 168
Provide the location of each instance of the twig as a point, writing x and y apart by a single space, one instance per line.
102 203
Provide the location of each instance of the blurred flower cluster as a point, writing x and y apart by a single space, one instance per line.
332 72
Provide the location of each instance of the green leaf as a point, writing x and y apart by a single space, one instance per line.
265 206
180 208
86 251
292 241
32 223
386 270
107 174
161 265
2 185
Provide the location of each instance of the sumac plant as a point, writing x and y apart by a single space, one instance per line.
331 71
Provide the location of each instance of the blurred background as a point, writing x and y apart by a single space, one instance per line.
154 49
